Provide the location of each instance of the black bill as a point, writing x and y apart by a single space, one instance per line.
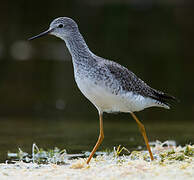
40 35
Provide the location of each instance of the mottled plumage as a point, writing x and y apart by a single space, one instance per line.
118 80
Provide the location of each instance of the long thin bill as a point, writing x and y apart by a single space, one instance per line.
40 35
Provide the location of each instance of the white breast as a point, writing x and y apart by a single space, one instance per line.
105 101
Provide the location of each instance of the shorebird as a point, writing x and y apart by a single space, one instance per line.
109 86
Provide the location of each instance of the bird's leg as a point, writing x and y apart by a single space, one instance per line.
143 132
100 138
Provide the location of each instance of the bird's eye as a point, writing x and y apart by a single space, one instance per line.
60 25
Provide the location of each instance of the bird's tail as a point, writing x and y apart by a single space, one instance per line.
165 98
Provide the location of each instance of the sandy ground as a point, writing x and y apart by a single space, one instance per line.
170 163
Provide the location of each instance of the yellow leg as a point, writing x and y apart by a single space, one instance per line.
143 132
100 138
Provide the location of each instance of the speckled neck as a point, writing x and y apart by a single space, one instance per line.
77 46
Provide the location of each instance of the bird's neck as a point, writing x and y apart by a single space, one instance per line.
77 46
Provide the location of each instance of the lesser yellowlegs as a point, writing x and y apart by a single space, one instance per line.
108 85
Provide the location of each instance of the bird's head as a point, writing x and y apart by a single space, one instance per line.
61 27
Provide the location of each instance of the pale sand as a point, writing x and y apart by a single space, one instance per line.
110 167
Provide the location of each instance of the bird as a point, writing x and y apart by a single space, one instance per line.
109 86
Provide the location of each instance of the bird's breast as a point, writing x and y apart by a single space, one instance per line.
100 96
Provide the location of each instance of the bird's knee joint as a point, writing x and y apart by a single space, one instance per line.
102 136
142 126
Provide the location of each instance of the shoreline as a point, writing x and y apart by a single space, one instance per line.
170 163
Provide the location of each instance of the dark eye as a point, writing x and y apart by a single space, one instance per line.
60 25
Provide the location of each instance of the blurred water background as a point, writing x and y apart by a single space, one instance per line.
39 100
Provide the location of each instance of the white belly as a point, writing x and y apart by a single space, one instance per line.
105 101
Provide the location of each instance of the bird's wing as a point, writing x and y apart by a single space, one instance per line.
128 80
131 83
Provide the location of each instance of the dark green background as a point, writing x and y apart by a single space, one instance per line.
154 39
